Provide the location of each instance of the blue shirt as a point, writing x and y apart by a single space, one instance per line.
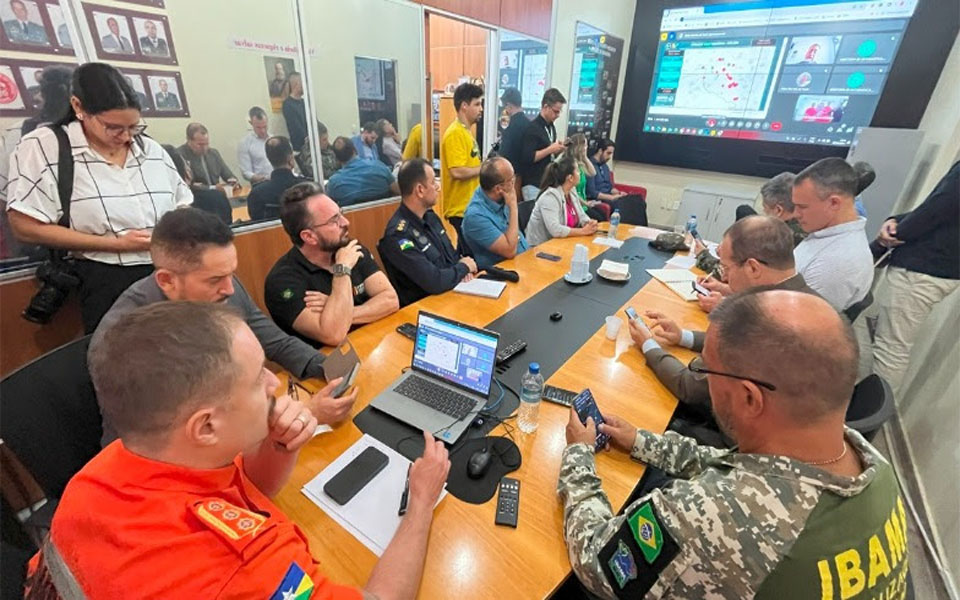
601 183
364 151
484 221
360 181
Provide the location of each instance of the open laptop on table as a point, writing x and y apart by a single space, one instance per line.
449 379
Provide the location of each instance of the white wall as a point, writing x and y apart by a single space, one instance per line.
338 31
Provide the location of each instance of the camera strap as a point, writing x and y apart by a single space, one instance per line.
64 182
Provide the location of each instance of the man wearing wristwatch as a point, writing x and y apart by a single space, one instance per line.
326 284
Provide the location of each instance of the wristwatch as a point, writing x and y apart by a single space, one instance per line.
339 270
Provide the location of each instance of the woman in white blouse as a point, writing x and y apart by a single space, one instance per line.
123 182
558 212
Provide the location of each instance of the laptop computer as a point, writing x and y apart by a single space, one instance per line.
449 379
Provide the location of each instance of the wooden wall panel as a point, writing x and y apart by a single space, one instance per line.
22 341
475 61
487 11
531 17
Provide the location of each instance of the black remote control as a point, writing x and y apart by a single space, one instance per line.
511 350
558 395
408 330
508 502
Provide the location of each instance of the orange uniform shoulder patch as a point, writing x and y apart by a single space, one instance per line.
230 521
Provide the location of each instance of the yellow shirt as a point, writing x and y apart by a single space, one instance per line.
458 149
414 143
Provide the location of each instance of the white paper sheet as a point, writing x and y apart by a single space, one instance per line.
678 280
371 515
608 241
322 429
481 287
614 270
647 233
681 262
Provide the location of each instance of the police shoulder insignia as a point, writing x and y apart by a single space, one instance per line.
296 585
641 534
402 225
405 244
286 294
231 522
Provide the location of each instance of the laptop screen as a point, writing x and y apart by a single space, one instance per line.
456 353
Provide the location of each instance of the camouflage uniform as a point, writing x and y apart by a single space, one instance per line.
732 521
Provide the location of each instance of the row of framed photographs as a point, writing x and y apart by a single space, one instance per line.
160 93
118 34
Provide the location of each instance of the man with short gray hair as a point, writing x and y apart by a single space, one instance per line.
835 257
803 505
756 252
777 197
206 164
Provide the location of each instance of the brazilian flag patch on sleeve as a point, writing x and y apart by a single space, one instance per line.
405 244
640 535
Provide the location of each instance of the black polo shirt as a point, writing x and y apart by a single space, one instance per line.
293 276
511 141
536 136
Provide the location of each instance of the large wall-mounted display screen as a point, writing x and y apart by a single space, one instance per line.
787 71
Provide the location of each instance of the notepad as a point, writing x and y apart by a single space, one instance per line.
647 233
608 241
371 515
678 280
487 288
682 262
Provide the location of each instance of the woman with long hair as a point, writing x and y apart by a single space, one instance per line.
559 211
123 182
577 150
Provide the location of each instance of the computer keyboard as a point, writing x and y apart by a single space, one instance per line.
436 396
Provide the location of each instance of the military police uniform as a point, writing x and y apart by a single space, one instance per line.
131 527
418 256
737 526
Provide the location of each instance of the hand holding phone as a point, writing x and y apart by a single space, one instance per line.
586 407
633 316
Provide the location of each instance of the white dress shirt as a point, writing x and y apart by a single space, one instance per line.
107 200
252 156
836 263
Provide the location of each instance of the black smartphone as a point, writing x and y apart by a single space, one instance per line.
586 407
343 486
548 256
408 330
346 382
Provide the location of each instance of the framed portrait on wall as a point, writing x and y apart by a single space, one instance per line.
20 86
153 39
34 26
157 3
277 71
120 34
165 89
138 82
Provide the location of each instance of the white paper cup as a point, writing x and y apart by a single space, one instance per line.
613 327
228 190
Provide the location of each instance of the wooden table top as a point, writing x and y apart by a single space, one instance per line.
469 556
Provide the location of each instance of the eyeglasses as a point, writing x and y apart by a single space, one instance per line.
705 371
117 130
722 271
334 220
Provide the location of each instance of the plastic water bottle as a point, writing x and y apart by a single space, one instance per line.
689 229
530 392
614 223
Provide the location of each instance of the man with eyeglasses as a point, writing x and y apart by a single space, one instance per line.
327 283
540 144
491 223
803 508
756 252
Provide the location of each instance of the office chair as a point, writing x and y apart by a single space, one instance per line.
524 210
853 311
871 406
50 419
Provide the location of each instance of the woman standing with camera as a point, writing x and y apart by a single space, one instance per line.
123 182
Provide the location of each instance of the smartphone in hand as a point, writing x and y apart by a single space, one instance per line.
586 407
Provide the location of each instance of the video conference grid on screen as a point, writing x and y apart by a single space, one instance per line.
460 355
800 71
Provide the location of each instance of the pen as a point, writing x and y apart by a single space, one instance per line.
406 494
291 390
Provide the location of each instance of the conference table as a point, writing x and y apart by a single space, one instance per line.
468 556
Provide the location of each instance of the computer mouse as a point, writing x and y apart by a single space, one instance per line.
556 316
479 463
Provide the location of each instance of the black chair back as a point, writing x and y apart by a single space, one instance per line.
853 311
214 201
524 210
871 406
50 417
